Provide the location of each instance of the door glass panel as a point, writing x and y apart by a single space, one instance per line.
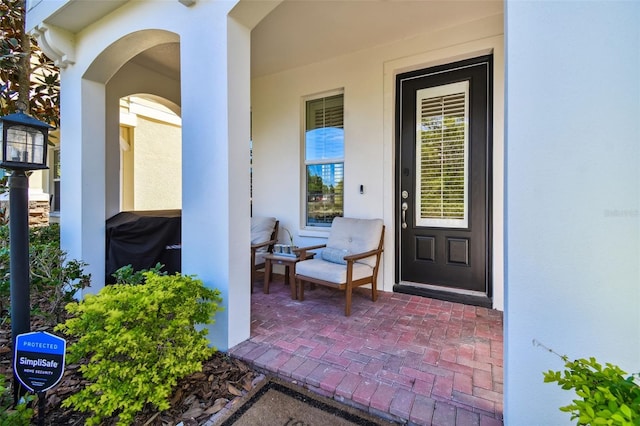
442 156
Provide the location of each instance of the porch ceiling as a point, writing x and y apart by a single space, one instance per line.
300 32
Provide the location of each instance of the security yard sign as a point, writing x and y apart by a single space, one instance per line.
38 360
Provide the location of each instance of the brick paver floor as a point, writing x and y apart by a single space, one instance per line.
410 359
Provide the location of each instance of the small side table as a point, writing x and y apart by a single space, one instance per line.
289 263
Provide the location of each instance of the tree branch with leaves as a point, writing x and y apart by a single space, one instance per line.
27 75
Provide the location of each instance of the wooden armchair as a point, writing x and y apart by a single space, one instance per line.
264 234
349 259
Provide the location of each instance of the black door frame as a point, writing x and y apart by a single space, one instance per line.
452 296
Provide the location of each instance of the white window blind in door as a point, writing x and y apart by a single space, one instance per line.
442 153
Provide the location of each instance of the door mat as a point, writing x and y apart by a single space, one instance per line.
285 404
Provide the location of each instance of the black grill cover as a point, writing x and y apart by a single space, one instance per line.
142 239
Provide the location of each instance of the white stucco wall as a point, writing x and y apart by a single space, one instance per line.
368 80
572 207
157 165
214 140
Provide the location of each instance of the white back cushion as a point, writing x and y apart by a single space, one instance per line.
261 230
356 236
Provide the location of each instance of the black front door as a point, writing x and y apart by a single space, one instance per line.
443 175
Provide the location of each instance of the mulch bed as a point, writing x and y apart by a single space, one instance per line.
195 399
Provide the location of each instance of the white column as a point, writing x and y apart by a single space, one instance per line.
82 139
573 196
215 84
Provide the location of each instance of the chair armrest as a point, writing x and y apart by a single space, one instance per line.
358 256
266 243
302 251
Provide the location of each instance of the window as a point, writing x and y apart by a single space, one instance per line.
55 169
442 156
324 159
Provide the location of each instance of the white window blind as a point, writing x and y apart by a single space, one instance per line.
324 134
331 114
442 156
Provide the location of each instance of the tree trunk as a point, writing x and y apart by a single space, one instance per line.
24 81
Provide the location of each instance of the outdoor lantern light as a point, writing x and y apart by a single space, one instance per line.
24 147
24 142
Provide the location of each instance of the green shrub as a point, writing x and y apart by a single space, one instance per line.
608 396
139 340
4 267
9 416
126 274
53 278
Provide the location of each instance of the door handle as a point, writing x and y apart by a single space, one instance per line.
405 207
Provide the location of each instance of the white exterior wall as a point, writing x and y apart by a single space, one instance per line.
215 147
572 207
368 80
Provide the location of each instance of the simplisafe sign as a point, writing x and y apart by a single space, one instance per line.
39 360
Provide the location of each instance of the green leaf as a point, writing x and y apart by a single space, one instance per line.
604 414
617 417
626 411
584 419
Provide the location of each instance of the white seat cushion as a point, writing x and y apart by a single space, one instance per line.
261 230
356 236
332 272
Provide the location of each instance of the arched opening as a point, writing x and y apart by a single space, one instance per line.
144 131
143 165
144 65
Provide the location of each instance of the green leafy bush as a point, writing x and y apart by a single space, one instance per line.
139 340
4 267
608 395
9 416
127 275
53 278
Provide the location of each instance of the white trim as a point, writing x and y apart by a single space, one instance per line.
318 95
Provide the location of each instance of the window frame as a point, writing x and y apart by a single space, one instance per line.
310 228
55 175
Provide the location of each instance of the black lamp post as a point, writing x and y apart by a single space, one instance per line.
24 147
